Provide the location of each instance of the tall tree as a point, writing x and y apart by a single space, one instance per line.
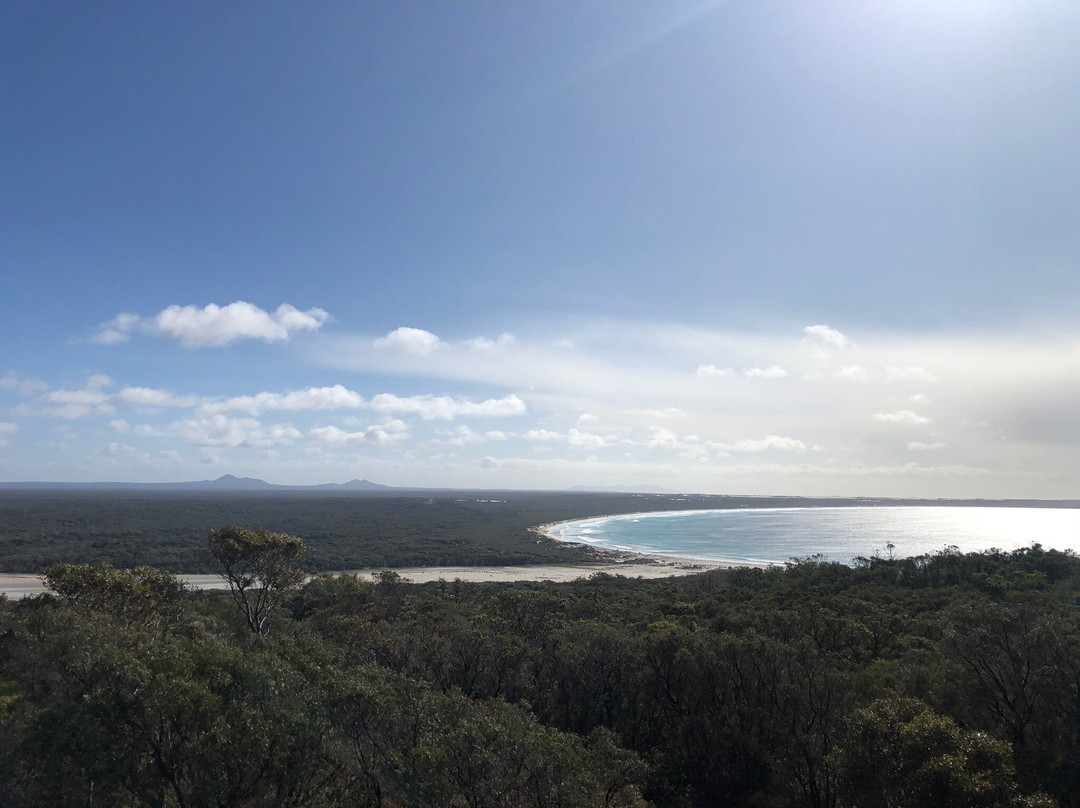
258 568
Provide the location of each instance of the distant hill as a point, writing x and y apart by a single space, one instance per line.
351 485
225 483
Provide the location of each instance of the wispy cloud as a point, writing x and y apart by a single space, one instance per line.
826 335
1007 428
22 385
485 345
919 446
853 373
7 429
714 372
446 408
901 417
94 398
464 435
771 372
771 442
904 374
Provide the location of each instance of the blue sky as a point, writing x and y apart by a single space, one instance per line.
735 247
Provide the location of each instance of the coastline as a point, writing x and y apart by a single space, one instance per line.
610 561
620 555
628 565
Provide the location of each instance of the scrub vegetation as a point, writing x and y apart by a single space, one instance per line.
947 680
347 531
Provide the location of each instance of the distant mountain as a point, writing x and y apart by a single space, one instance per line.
225 483
351 485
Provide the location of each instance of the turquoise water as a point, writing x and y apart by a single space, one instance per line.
776 535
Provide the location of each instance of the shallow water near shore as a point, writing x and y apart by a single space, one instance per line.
777 535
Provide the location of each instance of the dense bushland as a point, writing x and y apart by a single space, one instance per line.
944 680
343 531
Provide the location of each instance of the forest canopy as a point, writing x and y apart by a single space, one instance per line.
942 680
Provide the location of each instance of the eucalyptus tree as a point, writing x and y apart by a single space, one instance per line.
257 565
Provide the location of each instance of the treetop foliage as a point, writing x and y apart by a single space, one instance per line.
950 680
142 595
257 565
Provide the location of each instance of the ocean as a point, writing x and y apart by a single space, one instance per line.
778 535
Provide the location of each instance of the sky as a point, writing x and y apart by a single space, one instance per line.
741 247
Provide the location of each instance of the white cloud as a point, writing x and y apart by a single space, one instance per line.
445 408
485 345
6 429
621 372
93 399
777 442
213 325
910 373
771 372
919 446
464 436
543 435
489 463
409 340
663 437
853 373
313 398
120 426
222 432
71 404
117 330
23 386
149 397
667 412
87 397
577 438
379 434
428 407
901 417
827 335
714 372
292 319
220 325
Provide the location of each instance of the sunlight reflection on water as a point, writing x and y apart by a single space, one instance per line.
776 535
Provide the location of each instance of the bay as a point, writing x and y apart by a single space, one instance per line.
778 535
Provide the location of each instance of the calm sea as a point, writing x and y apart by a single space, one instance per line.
776 535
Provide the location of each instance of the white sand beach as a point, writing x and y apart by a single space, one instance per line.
624 564
611 562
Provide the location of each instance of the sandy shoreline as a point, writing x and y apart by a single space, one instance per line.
609 561
16 585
